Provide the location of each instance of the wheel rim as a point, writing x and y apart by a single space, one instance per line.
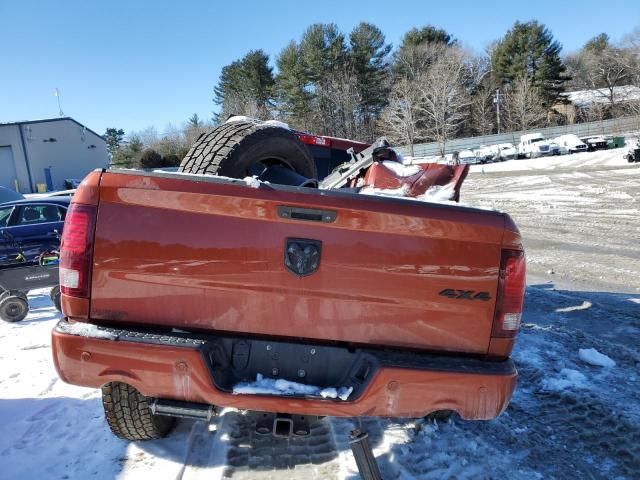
258 167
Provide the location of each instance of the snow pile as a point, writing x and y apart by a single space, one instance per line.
252 182
438 193
86 330
594 357
280 386
243 118
400 169
585 304
568 378
435 194
386 192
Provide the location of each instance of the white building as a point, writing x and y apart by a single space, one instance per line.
48 152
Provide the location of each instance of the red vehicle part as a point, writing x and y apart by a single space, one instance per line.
174 252
430 174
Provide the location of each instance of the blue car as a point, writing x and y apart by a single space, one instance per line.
30 227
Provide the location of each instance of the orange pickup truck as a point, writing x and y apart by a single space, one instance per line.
183 294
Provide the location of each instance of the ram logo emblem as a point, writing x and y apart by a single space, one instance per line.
302 256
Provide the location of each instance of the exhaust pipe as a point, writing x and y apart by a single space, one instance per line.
174 408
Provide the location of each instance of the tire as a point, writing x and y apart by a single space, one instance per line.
129 416
245 148
13 308
55 297
439 416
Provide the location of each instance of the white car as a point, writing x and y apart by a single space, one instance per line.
485 154
504 151
595 142
534 145
570 144
468 157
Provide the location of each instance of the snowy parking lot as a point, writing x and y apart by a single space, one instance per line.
575 413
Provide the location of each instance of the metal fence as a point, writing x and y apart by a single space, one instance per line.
604 127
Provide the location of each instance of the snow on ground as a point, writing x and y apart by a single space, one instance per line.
568 418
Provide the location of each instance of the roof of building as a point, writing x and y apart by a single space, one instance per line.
48 120
586 98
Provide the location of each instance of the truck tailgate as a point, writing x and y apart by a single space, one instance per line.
204 253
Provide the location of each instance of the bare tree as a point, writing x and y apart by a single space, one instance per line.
341 100
401 119
413 61
524 106
483 114
445 95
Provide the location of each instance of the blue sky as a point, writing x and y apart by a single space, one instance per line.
134 64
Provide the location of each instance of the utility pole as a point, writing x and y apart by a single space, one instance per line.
57 94
496 100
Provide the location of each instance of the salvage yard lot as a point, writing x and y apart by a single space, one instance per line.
580 219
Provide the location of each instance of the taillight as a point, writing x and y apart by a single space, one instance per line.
76 248
510 297
314 140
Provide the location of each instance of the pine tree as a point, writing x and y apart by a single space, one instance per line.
246 87
419 49
294 100
369 60
323 51
194 121
425 35
113 137
529 51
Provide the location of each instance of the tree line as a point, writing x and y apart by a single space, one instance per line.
428 88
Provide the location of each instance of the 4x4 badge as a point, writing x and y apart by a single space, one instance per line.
302 256
465 294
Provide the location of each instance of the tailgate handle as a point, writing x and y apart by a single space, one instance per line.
307 214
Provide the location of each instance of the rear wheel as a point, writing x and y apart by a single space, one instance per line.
55 297
246 148
13 308
129 415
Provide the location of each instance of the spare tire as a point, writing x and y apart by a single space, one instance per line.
246 148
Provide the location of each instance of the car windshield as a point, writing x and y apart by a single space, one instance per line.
534 140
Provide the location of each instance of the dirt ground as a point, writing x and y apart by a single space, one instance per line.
579 216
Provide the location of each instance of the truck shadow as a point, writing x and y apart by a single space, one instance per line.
62 437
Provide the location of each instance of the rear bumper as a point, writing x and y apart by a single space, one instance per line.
176 366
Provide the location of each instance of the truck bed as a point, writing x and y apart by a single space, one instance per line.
207 254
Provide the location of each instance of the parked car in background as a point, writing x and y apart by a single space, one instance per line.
485 154
31 227
72 183
570 143
7 195
467 157
504 151
534 145
633 152
595 142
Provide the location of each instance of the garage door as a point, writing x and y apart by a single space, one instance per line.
7 168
